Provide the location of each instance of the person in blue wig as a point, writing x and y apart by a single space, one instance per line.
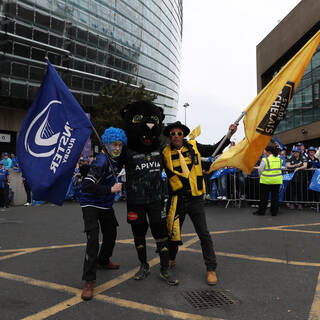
96 199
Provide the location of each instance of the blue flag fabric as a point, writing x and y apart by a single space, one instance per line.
222 172
315 181
51 139
286 178
279 143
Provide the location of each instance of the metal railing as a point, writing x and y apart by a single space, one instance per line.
239 188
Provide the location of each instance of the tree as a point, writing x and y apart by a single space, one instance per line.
114 96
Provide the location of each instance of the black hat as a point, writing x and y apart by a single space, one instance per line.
176 124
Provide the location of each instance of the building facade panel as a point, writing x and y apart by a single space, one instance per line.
90 43
302 118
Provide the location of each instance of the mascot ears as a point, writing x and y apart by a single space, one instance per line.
125 111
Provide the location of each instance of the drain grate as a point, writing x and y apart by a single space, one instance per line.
206 299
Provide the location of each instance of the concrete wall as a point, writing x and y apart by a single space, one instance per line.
11 119
19 197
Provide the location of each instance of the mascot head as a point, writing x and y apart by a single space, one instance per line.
114 139
143 121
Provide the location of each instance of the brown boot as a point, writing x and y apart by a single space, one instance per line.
212 278
108 266
87 292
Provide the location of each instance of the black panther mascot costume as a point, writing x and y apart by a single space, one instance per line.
142 160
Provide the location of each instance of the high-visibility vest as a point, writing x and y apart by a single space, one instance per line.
272 173
195 182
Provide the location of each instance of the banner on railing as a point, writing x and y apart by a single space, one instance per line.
285 178
315 181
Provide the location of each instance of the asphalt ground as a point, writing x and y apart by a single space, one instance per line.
268 268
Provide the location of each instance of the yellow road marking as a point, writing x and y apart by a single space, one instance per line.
20 253
139 306
262 259
11 250
315 308
131 241
302 231
40 283
54 309
152 309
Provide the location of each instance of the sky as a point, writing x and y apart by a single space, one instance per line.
218 63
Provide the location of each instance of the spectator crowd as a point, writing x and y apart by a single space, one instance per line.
298 168
222 185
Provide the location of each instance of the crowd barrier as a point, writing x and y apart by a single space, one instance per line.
240 187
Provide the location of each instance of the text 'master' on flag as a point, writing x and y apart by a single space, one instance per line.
51 139
265 112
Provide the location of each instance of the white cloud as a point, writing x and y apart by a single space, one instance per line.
218 70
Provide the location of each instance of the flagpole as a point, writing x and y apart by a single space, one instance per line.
226 136
106 152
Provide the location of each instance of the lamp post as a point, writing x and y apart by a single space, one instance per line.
186 105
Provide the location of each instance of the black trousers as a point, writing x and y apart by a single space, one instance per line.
93 217
138 217
28 190
194 207
265 189
4 196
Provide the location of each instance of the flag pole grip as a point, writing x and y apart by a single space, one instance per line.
106 152
226 136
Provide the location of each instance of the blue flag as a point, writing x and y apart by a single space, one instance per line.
286 178
315 181
51 139
279 143
222 172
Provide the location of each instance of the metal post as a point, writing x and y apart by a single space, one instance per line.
186 105
226 136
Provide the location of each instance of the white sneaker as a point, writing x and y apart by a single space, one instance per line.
269 205
27 204
224 198
219 197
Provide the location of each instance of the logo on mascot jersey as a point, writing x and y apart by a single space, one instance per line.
148 165
132 216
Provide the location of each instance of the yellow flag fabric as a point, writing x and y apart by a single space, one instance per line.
265 112
195 133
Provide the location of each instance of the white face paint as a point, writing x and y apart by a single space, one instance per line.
115 148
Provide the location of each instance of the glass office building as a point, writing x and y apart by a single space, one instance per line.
90 42
304 108
302 119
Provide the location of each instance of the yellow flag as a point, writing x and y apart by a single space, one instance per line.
195 133
265 112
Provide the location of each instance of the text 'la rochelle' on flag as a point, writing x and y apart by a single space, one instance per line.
266 111
51 139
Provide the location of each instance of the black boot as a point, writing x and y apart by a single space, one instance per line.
143 271
165 273
168 276
140 244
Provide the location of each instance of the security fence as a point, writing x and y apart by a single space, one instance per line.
238 188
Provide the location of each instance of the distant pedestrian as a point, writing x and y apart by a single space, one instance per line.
270 171
4 186
7 162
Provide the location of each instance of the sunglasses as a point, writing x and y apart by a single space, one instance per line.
174 133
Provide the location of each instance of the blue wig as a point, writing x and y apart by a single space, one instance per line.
114 134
